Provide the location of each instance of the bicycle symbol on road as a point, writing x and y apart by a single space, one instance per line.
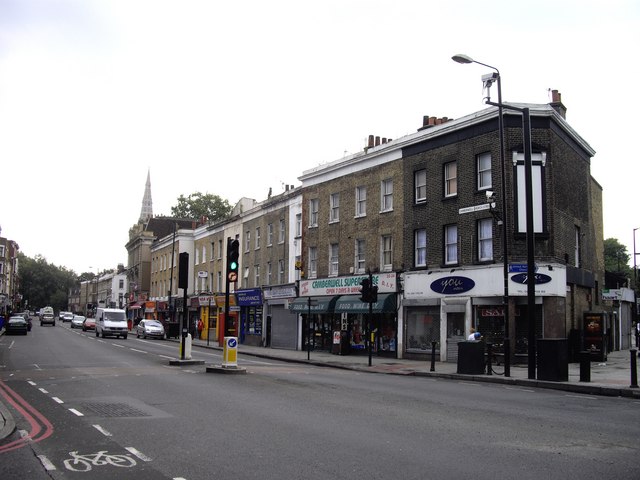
83 463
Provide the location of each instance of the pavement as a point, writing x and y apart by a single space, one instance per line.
611 378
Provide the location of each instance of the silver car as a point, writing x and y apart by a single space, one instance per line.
150 328
78 321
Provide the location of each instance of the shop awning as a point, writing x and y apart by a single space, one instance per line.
318 304
351 304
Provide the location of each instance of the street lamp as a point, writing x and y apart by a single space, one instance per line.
528 174
503 185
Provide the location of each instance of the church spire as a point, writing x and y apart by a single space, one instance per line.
146 213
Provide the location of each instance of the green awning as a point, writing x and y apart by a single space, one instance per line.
318 304
351 304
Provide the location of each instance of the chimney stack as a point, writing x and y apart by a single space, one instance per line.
556 103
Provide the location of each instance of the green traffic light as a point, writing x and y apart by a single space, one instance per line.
233 266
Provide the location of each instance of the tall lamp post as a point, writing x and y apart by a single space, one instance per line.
528 174
503 185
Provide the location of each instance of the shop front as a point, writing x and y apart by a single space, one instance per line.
332 310
281 326
443 306
251 317
353 320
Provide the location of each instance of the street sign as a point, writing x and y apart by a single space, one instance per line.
520 268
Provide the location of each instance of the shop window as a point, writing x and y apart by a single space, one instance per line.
423 327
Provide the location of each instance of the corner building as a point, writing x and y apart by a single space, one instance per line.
427 207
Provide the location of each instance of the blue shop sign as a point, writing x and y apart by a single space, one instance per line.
249 298
539 278
452 285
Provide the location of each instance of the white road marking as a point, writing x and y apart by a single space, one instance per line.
43 390
11 344
102 430
76 412
167 357
519 389
56 399
138 454
136 350
582 396
37 366
118 345
46 463
31 382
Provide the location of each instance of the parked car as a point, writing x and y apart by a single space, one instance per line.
17 324
78 321
89 324
65 316
150 328
27 317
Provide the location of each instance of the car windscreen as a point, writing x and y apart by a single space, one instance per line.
153 323
115 316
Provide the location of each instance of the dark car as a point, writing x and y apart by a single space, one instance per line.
27 317
17 324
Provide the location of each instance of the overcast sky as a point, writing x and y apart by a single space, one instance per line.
233 98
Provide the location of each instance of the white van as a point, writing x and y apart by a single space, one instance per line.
111 322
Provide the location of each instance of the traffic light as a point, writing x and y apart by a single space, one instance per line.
373 294
233 255
365 291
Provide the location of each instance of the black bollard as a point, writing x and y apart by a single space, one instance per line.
433 357
585 366
634 369
489 354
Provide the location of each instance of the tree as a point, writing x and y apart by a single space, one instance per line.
198 205
42 283
616 258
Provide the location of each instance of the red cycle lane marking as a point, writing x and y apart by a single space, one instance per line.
28 412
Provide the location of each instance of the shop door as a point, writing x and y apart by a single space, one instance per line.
455 334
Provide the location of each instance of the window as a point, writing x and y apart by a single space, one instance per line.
485 239
220 286
450 179
256 273
420 254
245 278
360 256
204 253
257 241
270 234
537 177
282 231
386 192
197 259
386 253
450 244
121 284
576 252
313 262
314 205
420 183
213 252
484 170
247 240
333 259
361 201
219 249
280 271
269 273
334 207
2 251
298 225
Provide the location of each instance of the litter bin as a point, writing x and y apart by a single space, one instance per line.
173 329
471 358
553 359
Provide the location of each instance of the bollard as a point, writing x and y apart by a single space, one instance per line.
433 357
489 353
634 369
585 366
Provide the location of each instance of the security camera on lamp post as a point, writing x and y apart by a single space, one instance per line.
526 130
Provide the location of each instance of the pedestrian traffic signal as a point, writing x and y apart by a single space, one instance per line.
373 294
233 256
365 291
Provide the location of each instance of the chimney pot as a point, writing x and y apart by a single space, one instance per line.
370 144
377 140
